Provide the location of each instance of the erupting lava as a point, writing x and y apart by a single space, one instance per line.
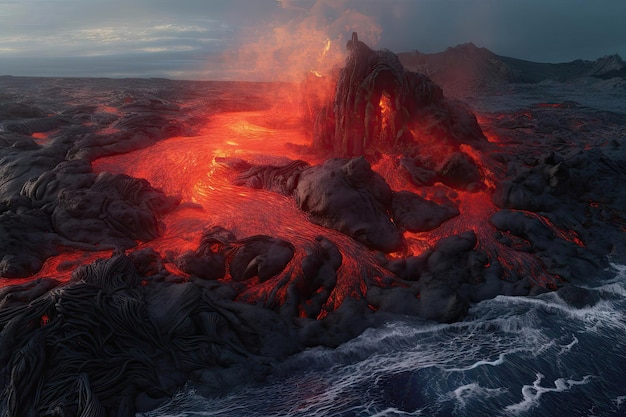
261 176
428 153
421 144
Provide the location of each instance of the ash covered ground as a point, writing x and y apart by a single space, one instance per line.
156 232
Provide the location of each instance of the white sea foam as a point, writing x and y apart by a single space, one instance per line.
481 362
394 412
466 393
532 393
620 401
605 314
616 285
568 347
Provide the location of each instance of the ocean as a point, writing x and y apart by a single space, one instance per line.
512 356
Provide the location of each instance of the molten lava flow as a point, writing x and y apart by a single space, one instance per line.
419 146
61 266
386 122
191 167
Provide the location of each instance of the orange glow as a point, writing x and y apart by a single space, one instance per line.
487 128
568 235
61 266
43 138
196 169
386 112
173 269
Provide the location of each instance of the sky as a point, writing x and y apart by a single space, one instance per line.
271 39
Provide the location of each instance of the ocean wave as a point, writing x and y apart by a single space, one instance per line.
532 393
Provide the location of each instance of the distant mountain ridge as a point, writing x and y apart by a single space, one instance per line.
468 67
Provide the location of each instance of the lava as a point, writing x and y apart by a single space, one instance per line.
417 129
199 172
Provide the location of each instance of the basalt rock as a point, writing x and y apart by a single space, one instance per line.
346 195
116 211
416 214
27 239
106 345
259 256
378 106
435 281
341 194
280 179
133 131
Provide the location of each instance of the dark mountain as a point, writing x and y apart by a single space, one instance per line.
467 67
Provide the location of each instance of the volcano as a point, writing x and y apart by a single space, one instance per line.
158 233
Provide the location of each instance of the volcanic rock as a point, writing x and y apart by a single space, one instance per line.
259 256
436 280
27 240
346 195
356 124
416 214
115 211
460 172
179 330
279 179
311 289
208 261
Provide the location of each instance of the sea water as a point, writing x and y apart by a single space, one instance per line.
512 356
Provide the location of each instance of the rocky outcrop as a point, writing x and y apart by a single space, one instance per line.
379 106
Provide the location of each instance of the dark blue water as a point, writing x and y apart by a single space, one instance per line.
513 356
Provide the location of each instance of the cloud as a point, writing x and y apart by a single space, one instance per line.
102 40
279 39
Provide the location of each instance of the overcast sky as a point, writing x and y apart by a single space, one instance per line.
253 39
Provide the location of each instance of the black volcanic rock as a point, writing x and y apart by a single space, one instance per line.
341 194
418 174
24 160
346 195
310 290
460 171
209 266
27 241
356 123
123 347
132 131
436 281
208 261
43 190
259 256
116 210
416 214
532 233
30 126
